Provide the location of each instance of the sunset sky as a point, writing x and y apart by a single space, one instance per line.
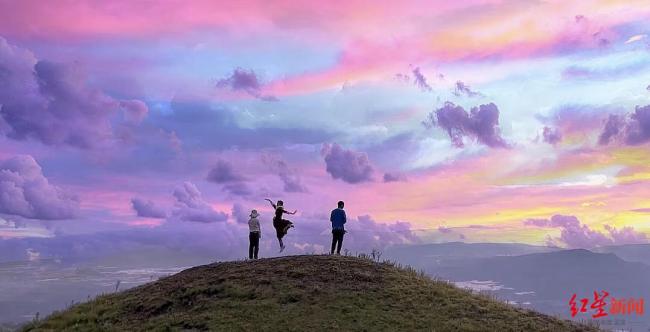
469 120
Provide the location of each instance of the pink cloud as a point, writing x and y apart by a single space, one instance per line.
92 18
373 40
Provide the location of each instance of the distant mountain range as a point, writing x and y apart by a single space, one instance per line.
631 252
544 279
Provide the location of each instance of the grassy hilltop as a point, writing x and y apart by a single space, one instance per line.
299 293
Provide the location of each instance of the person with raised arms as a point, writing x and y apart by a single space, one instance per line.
281 225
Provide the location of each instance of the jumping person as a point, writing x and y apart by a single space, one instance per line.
254 235
338 220
281 225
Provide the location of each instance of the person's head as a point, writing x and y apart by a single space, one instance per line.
341 204
280 203
254 214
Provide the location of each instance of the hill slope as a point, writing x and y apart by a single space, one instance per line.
299 293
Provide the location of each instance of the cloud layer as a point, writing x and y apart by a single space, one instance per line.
52 103
26 192
631 129
577 235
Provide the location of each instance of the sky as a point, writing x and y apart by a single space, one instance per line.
470 120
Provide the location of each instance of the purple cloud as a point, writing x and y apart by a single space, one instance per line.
402 77
147 209
444 230
347 165
462 89
238 188
290 178
481 123
26 192
223 172
613 126
638 130
393 177
626 234
190 206
244 80
134 110
576 235
584 73
51 102
633 129
365 232
420 80
239 213
551 136
537 222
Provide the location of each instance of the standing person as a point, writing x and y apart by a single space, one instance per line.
254 235
281 225
338 220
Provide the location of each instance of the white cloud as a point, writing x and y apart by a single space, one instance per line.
635 38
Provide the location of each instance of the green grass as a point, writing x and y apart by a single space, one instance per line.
299 293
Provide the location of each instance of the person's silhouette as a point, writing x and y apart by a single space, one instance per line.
281 225
338 220
254 235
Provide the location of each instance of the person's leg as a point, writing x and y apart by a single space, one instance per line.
250 245
278 233
340 242
257 245
281 243
333 242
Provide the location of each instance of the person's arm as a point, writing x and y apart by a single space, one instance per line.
345 219
287 212
332 215
272 204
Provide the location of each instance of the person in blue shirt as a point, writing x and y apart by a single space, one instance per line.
338 220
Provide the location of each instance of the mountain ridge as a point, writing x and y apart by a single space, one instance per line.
293 293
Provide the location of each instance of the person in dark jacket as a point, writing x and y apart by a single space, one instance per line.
281 225
338 220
